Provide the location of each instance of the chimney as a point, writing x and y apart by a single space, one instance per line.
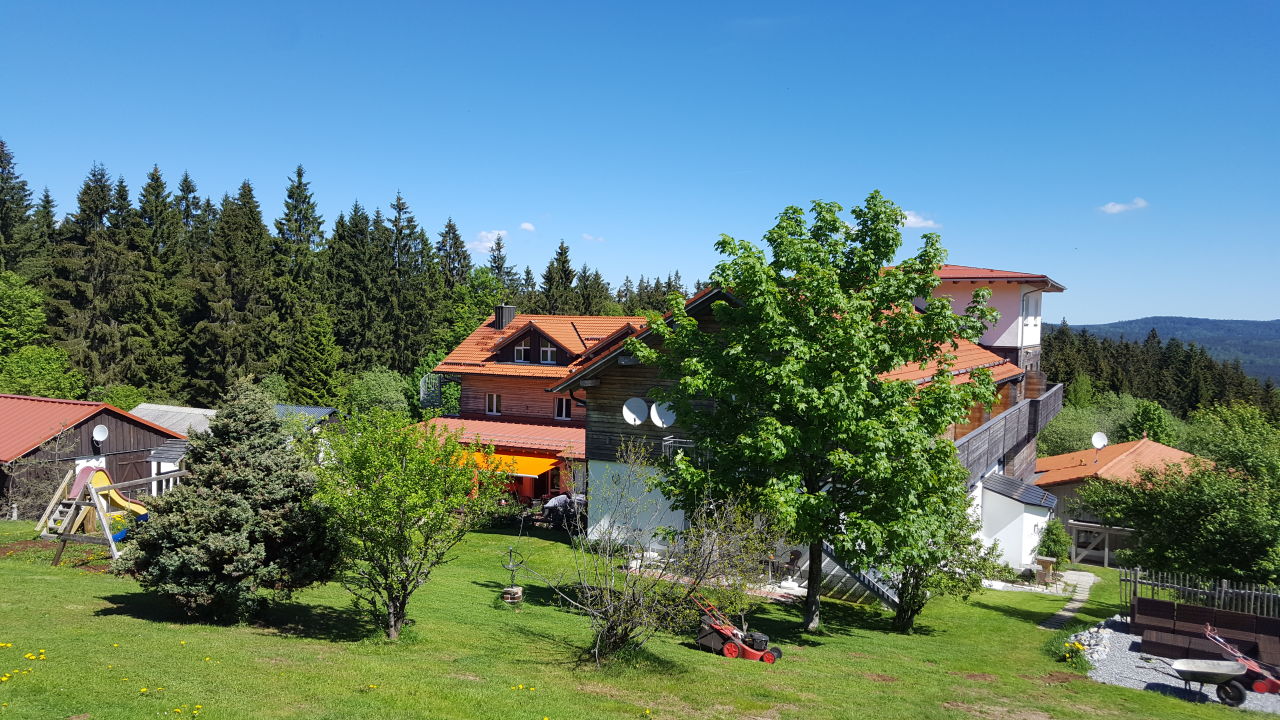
503 315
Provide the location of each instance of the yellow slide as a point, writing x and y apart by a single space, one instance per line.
101 478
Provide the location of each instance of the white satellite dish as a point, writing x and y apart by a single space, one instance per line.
1099 440
662 415
635 410
100 433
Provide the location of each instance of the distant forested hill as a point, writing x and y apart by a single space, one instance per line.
1255 343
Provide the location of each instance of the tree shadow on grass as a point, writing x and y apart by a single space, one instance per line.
1034 617
292 619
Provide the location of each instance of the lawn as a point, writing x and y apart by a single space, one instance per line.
469 656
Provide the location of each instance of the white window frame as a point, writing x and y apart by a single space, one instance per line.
492 404
564 408
547 354
522 351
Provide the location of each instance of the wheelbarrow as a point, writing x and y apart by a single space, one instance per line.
1225 674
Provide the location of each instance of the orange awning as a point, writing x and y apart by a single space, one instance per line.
518 464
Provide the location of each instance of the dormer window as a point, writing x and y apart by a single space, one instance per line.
548 354
522 350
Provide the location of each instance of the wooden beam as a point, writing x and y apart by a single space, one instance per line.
139 483
58 496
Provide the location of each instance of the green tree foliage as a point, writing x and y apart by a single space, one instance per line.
15 204
309 366
357 268
939 553
454 258
558 297
1055 542
416 283
236 327
21 313
401 496
1203 519
1151 421
1236 436
125 397
378 388
40 371
240 524
1181 377
843 456
32 255
503 272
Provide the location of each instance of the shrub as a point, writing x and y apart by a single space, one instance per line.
1055 542
240 523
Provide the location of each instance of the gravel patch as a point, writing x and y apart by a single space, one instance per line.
1117 660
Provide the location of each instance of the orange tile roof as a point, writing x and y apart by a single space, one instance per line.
1114 462
965 272
27 422
568 442
578 334
969 356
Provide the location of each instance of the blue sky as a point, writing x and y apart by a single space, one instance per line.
639 132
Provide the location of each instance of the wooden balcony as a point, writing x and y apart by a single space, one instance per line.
982 447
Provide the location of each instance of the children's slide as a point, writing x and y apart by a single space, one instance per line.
97 477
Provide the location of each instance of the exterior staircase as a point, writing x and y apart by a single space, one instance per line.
841 582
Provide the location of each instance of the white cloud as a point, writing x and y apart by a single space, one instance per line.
914 220
592 238
1114 208
528 227
485 239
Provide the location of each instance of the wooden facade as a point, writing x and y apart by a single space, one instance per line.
522 399
128 445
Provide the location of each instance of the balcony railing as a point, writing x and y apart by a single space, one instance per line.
982 448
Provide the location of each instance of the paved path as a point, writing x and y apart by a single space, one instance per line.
1083 581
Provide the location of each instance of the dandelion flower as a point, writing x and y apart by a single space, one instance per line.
142 690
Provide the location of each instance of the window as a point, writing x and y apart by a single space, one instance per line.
492 404
548 353
522 351
1031 308
564 409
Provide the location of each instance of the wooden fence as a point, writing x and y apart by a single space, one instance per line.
1195 590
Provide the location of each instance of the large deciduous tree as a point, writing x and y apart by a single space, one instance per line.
799 417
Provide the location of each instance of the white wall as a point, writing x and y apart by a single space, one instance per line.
1012 329
618 499
1016 526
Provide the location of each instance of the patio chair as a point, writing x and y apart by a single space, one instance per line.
1236 626
1151 614
789 569
1190 620
1165 644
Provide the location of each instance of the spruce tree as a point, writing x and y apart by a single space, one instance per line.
236 329
557 285
292 286
529 299
15 204
32 256
455 259
78 291
504 273
593 293
240 523
357 265
310 363
412 288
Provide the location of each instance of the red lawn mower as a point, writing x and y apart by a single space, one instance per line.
718 634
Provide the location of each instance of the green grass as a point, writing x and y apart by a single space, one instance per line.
314 659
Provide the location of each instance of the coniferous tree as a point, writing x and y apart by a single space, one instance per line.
32 255
236 328
505 274
455 259
557 285
15 204
310 363
593 293
415 283
240 523
529 299
357 266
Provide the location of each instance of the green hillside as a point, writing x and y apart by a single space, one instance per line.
1255 343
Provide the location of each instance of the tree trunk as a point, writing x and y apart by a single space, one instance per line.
395 619
814 588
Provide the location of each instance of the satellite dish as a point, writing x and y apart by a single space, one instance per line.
1099 440
635 410
662 415
100 433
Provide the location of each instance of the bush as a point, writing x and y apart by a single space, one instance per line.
1055 542
240 523
378 388
1059 647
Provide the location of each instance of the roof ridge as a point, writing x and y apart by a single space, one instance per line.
39 398
1127 452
